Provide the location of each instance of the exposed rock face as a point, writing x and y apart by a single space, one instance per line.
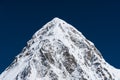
59 52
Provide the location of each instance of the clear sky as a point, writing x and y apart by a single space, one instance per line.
98 20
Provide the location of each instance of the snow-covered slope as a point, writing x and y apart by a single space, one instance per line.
59 52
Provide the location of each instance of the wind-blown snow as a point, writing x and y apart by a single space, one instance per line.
59 52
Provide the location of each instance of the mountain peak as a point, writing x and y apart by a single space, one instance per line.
55 26
56 19
58 51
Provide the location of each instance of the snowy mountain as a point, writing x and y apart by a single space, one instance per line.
59 52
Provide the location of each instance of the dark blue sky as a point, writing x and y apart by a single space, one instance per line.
98 20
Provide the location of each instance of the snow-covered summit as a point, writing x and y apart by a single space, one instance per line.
56 19
59 52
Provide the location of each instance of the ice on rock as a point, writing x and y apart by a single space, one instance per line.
59 52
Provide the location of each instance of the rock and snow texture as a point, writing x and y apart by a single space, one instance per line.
59 52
